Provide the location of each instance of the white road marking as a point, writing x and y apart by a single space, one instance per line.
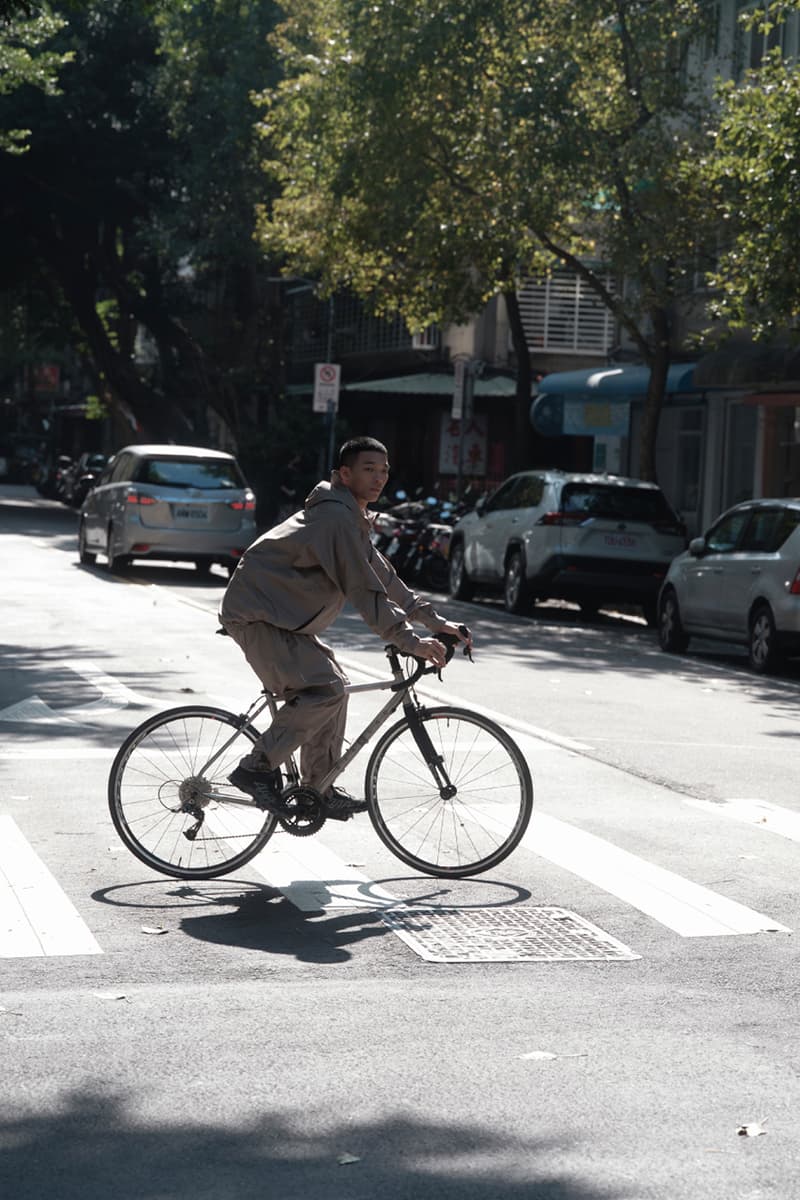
305 871
37 917
688 908
37 751
114 697
502 719
760 813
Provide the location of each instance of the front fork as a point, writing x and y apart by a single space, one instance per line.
427 749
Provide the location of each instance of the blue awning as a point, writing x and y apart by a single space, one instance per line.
597 401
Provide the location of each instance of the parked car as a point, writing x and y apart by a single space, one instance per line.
182 503
582 537
740 583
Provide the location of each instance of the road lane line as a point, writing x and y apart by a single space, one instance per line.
688 908
308 874
37 917
760 813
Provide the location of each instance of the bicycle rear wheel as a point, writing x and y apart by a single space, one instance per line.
170 799
461 829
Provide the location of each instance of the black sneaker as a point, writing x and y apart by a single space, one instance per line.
340 806
263 786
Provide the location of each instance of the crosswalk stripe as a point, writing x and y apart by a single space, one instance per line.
762 814
37 917
688 908
308 874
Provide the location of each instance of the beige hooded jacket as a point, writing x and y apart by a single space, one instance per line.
299 575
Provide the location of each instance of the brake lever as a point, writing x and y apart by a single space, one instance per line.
467 650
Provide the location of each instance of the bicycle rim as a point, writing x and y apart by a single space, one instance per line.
164 786
476 828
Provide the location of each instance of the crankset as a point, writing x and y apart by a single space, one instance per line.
304 814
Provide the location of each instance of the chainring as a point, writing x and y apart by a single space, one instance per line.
304 814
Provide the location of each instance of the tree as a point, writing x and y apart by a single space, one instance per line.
431 153
134 207
754 169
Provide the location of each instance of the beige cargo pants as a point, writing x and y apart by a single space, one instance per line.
303 673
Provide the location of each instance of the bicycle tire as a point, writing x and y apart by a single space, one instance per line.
472 831
148 790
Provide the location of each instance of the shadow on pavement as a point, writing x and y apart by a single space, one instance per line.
92 1147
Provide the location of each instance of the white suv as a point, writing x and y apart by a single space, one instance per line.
740 583
588 538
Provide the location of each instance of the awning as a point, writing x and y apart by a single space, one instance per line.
597 401
430 383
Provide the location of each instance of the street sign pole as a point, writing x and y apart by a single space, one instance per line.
326 399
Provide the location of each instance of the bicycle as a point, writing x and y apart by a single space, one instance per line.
448 790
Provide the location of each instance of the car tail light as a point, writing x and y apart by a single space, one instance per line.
242 505
140 548
562 518
794 586
134 497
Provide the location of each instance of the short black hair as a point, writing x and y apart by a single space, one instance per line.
349 452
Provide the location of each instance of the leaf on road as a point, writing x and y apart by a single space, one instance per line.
754 1129
154 929
110 995
344 1160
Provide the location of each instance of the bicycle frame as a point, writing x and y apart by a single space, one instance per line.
400 684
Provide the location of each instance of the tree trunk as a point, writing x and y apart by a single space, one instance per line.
518 457
658 362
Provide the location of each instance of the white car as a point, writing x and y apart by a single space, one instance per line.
739 583
589 538
181 503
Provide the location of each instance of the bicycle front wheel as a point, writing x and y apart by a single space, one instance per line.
459 815
170 799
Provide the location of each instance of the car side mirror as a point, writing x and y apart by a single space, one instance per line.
697 547
480 505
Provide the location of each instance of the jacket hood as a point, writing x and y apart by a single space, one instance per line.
326 493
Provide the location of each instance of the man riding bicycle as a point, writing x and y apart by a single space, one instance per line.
289 587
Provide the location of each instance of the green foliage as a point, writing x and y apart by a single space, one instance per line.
23 61
754 169
430 152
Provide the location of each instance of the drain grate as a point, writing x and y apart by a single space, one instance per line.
452 935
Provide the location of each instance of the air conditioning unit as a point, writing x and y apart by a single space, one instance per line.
426 339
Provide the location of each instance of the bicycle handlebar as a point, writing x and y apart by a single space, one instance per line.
423 667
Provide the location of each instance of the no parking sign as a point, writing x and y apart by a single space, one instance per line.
326 387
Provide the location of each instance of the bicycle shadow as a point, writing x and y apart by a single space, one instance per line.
255 917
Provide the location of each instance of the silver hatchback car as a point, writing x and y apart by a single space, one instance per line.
739 583
182 503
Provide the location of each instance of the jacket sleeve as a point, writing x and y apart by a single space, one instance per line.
415 608
345 558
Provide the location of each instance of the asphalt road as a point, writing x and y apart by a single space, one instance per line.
232 1040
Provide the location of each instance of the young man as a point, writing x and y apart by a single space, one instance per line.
289 586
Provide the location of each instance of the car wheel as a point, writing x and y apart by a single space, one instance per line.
460 584
763 649
671 635
517 594
589 608
203 566
85 556
117 563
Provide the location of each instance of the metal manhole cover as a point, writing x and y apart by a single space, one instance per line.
503 935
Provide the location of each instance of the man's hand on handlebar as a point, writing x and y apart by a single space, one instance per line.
460 632
431 651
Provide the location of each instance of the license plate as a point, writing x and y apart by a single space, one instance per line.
193 513
620 541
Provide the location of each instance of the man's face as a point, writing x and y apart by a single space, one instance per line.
367 477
